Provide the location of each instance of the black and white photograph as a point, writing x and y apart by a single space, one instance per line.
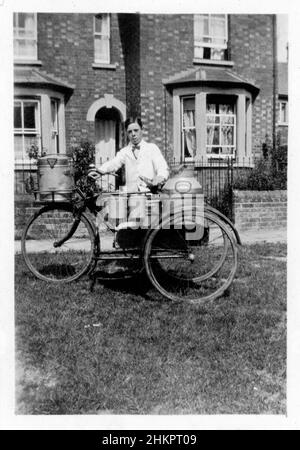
147 251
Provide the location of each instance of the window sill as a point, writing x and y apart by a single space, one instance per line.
104 66
25 164
212 62
26 62
283 124
207 162
223 163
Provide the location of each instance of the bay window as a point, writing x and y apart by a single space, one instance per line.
219 133
26 127
211 125
39 125
220 128
188 138
25 36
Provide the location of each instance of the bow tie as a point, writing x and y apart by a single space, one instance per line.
134 149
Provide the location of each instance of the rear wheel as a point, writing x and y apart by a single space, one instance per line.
197 265
46 256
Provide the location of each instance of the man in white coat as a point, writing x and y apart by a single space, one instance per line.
144 163
145 168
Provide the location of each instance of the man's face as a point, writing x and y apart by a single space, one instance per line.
134 133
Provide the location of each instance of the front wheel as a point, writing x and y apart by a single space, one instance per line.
189 261
57 244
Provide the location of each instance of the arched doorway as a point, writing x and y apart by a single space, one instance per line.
108 140
108 114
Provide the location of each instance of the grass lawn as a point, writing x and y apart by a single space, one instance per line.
124 349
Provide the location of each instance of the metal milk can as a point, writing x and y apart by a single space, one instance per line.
55 178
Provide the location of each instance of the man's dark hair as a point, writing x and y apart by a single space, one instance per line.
131 120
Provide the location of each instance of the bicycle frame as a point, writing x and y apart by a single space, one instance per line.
161 248
89 202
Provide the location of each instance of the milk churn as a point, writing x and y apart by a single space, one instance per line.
182 192
55 178
182 197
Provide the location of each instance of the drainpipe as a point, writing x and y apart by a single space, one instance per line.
275 77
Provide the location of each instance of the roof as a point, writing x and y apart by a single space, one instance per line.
283 79
209 75
32 76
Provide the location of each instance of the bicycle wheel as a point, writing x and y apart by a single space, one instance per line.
197 265
46 256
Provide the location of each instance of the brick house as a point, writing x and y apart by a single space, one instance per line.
207 86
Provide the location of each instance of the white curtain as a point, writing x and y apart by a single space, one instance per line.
211 109
190 134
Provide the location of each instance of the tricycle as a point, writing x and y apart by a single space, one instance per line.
188 252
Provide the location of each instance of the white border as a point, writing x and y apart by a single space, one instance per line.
7 418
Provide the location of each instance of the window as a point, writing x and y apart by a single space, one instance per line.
283 112
219 132
210 36
25 36
188 128
220 129
54 126
26 127
102 38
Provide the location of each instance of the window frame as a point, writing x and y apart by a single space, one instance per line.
218 98
183 128
243 101
16 37
234 126
201 44
102 35
28 131
55 130
281 122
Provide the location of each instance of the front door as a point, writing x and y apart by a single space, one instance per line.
106 148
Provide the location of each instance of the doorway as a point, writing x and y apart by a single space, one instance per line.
108 141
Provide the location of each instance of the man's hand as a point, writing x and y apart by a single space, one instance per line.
93 172
158 181
155 184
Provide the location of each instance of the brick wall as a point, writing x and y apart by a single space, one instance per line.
26 207
260 210
166 48
251 49
148 48
23 211
66 49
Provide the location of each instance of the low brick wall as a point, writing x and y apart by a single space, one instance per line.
260 210
256 210
23 210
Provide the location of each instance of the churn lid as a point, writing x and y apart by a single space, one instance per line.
183 181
